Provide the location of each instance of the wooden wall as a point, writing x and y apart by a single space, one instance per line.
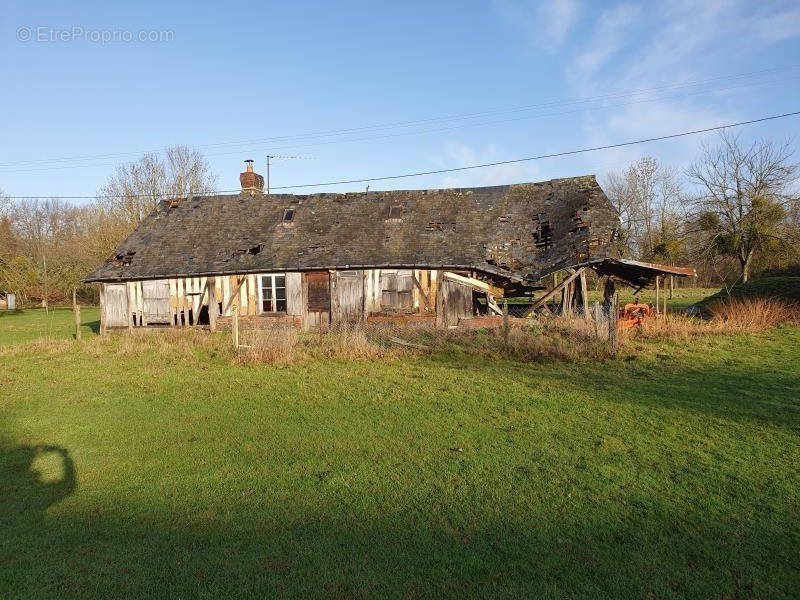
130 303
354 294
454 302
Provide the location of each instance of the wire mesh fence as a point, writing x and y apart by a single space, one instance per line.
518 332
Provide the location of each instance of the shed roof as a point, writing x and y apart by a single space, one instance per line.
519 232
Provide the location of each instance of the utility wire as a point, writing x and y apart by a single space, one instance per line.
435 130
457 169
542 156
401 124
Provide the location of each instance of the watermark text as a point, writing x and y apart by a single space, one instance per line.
76 33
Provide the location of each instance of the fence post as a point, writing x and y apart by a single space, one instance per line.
76 309
506 325
658 304
597 317
235 324
613 318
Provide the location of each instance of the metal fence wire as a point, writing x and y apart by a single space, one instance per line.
517 329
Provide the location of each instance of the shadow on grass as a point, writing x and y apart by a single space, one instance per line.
721 389
93 325
251 548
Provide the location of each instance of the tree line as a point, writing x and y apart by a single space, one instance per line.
47 246
732 213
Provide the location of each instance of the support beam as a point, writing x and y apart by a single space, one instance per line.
540 302
422 293
213 307
482 286
584 294
234 293
658 286
493 306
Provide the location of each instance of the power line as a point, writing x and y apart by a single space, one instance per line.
542 156
435 130
458 169
405 124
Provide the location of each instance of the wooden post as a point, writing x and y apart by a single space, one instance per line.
671 286
77 311
506 326
611 305
235 325
566 298
613 318
584 294
213 307
598 315
102 308
658 304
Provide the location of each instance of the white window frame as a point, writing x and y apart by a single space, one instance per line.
274 299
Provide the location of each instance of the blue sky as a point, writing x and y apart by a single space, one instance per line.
258 71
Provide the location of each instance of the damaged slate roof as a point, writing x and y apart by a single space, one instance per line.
519 232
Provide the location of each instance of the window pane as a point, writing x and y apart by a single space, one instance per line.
280 293
280 280
280 305
266 306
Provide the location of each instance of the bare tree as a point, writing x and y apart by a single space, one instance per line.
647 196
746 196
135 188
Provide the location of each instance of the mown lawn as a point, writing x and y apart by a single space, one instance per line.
174 473
26 325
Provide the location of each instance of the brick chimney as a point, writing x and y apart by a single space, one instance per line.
251 181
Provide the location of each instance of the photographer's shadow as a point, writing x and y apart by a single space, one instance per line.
33 479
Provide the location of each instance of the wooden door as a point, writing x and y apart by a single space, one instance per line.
115 305
155 302
317 289
397 290
347 297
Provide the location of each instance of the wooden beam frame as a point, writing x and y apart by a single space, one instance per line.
482 286
422 293
540 302
234 293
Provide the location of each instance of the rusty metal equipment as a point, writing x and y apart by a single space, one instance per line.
633 313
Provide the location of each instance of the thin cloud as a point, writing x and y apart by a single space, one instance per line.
544 23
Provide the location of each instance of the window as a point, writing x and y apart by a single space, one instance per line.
273 293
395 213
288 215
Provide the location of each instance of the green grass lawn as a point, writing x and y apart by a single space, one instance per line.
178 474
18 326
681 298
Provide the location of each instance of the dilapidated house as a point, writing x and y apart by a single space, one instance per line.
320 259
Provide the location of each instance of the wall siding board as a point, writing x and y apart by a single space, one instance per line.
294 294
252 294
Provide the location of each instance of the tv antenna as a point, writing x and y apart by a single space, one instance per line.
270 157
